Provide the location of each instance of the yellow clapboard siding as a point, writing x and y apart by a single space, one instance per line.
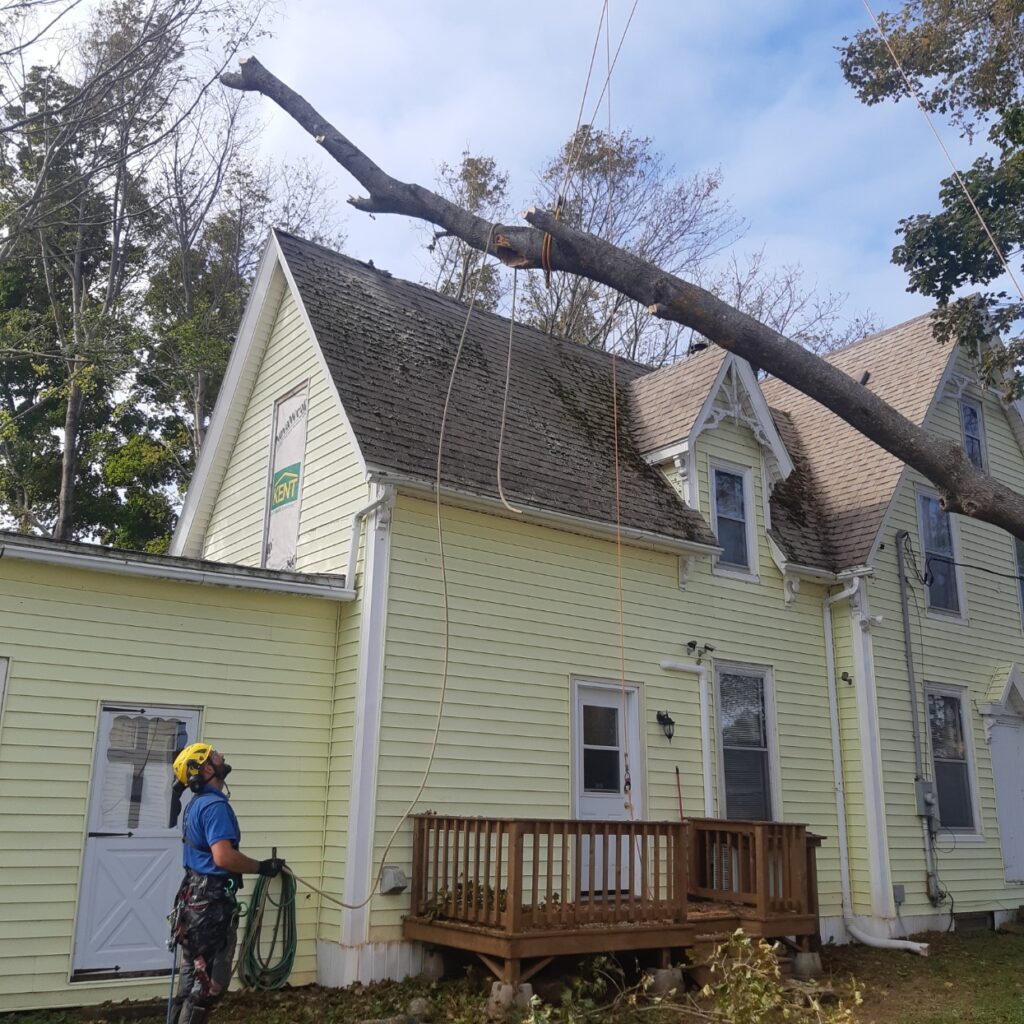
531 606
333 486
77 638
949 653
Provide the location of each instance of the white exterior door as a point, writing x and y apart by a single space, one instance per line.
606 728
132 865
1008 769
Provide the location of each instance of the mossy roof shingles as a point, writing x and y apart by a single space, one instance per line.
390 345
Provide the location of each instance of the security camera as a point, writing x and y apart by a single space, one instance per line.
692 646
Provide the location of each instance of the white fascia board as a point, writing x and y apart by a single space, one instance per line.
705 410
667 452
540 516
239 379
808 572
324 369
763 415
124 564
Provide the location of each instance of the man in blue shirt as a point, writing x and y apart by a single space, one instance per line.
205 917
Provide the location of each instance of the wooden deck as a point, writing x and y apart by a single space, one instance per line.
511 890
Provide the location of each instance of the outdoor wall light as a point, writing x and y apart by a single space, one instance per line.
669 726
699 652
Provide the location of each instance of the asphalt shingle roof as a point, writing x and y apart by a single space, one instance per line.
390 344
852 479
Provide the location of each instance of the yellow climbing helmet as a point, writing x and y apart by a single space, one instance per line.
190 761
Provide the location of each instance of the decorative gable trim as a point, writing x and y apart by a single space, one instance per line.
1005 698
736 396
273 280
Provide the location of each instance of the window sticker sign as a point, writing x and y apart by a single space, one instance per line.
285 488
288 445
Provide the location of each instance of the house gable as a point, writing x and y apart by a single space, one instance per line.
276 352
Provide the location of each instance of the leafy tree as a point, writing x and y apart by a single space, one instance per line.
965 61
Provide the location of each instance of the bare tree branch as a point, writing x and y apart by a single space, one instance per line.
964 488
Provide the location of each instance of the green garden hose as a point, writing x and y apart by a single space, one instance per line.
268 968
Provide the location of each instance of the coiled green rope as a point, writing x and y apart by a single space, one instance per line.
260 968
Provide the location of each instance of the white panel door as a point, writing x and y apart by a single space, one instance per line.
132 865
605 722
1008 769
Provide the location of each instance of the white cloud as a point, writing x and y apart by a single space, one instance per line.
751 86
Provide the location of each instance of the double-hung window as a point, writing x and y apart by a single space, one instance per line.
974 431
951 761
939 544
744 728
730 491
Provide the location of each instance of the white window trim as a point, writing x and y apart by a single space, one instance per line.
750 574
954 533
962 694
771 729
979 409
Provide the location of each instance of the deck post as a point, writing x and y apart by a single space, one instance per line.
418 881
812 843
514 900
680 873
762 871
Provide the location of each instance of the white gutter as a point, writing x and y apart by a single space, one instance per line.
386 495
701 672
559 520
124 564
837 766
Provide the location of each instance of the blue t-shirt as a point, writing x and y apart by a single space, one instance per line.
208 819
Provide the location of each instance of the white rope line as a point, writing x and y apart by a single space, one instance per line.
956 172
504 403
447 619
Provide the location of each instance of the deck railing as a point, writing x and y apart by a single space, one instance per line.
759 864
522 875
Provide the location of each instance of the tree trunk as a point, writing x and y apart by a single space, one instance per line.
963 488
69 459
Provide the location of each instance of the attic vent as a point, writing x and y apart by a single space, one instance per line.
865 377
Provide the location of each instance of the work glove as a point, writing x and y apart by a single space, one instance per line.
271 867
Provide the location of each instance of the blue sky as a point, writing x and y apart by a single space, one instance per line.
753 87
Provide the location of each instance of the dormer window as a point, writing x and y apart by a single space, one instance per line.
732 513
974 432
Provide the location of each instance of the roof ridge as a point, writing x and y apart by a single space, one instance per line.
435 295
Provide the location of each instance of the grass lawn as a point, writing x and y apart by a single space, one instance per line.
970 978
974 977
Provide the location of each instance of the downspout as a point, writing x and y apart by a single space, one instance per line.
357 524
837 766
924 791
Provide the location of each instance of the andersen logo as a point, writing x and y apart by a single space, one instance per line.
285 488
